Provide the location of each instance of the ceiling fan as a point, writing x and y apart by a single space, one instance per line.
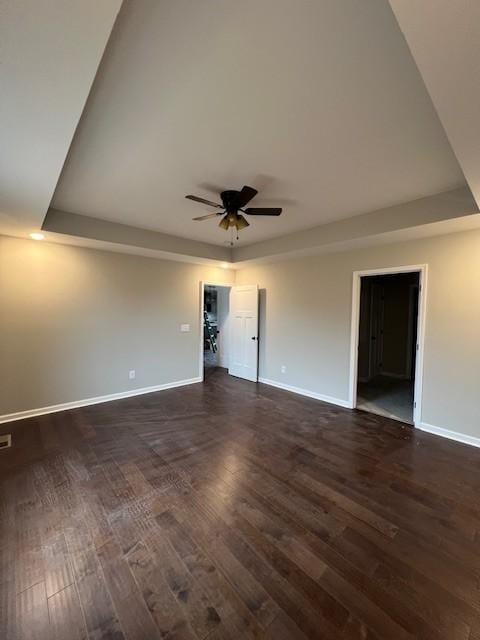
232 203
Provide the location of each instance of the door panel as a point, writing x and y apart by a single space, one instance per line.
244 332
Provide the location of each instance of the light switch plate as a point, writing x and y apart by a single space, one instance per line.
184 328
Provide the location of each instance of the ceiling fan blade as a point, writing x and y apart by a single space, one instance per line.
203 201
263 211
245 195
207 217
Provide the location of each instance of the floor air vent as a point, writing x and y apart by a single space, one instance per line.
5 441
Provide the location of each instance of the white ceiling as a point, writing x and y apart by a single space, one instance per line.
49 54
317 104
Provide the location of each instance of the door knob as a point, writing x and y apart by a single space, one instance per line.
254 338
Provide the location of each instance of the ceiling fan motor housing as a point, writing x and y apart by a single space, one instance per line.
230 200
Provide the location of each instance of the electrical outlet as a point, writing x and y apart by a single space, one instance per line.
184 328
131 374
283 369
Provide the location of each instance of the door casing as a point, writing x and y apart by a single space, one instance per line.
211 283
422 270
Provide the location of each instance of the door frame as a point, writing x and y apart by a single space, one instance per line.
210 283
410 333
422 270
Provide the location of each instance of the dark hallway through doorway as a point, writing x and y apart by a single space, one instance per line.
388 344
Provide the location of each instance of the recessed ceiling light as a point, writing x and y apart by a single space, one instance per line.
37 236
225 265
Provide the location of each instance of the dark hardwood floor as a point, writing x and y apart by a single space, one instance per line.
234 510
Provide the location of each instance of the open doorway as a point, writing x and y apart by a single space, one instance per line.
216 302
388 322
229 330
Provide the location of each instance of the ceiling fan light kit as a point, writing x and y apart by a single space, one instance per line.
233 202
241 222
224 223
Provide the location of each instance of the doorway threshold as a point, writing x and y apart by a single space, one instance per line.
387 397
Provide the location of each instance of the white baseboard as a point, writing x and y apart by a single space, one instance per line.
451 435
305 392
31 413
423 426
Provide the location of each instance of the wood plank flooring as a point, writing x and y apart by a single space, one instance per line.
231 510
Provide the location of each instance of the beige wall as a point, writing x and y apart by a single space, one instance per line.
306 313
74 321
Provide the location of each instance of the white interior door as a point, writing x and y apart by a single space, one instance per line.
244 332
